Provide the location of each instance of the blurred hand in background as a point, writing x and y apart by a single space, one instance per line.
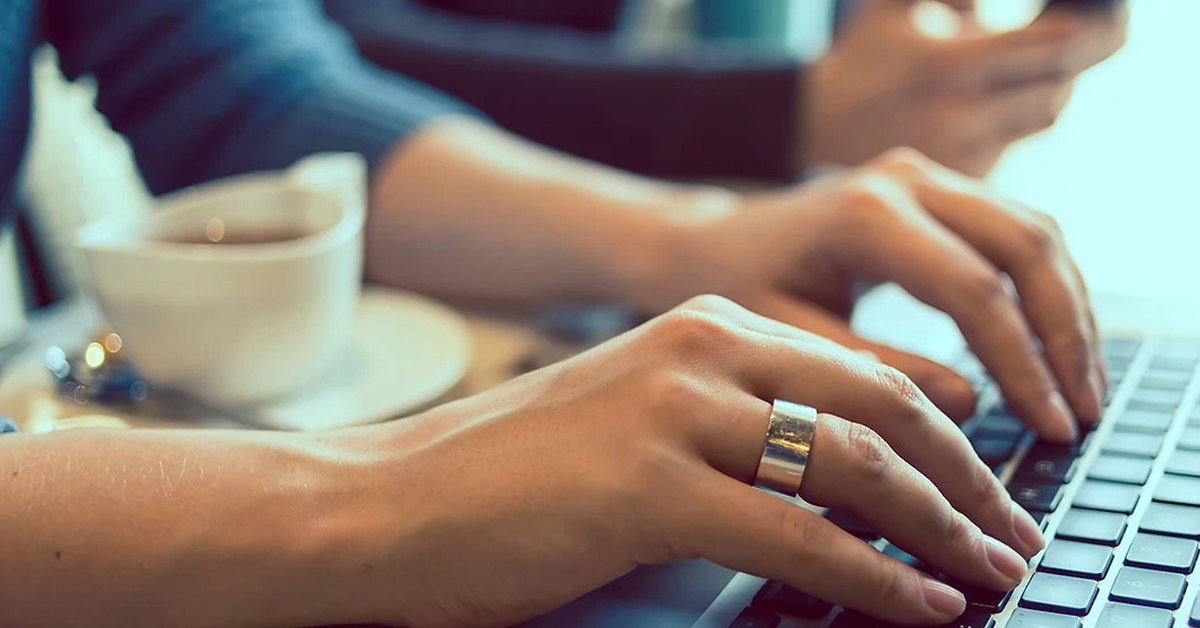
960 99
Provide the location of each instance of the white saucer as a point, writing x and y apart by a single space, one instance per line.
405 351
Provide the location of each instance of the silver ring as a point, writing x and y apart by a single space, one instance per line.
789 441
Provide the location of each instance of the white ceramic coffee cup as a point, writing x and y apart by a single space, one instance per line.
238 324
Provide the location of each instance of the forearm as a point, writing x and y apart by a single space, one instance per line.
464 209
116 528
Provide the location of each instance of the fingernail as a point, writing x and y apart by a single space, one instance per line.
942 598
1027 531
1006 561
1064 428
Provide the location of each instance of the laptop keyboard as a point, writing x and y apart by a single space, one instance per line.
1120 509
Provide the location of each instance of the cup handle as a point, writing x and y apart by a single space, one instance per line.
340 175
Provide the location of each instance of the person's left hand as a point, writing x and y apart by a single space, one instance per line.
803 256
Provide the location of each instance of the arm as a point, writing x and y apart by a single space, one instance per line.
708 111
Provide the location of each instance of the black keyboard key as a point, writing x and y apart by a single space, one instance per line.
1048 465
1148 587
852 524
1025 618
1091 526
1194 617
1184 462
1165 380
755 618
1133 444
1154 399
1000 424
1148 421
1177 489
1121 469
994 451
781 598
1162 552
1190 439
1059 594
979 597
1040 496
1097 495
1117 615
1173 520
972 618
1071 558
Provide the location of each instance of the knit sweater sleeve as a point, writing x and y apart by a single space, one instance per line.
207 88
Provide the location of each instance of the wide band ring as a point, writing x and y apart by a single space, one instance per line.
789 441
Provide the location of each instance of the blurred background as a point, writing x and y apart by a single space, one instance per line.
1118 169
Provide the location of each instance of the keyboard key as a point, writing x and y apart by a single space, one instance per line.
1071 558
994 451
1190 439
1059 594
1116 615
1172 363
1194 617
1133 444
1000 424
1091 526
1040 496
1148 421
1025 618
852 524
1173 520
1184 462
986 599
1162 552
781 598
1148 587
1097 495
1121 348
1048 465
1177 489
1153 399
1121 469
972 618
1183 348
755 618
1165 380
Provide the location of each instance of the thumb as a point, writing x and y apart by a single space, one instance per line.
947 389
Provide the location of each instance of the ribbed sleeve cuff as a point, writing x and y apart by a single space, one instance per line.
362 110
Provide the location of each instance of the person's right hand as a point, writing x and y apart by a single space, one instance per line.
960 100
509 504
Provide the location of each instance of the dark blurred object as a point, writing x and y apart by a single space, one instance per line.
96 374
1084 5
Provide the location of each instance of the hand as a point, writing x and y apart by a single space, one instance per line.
802 256
960 100
640 451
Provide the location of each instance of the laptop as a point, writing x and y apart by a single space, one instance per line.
1120 511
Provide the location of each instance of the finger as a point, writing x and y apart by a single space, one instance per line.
1028 247
758 533
835 379
1024 110
947 389
904 244
990 61
851 467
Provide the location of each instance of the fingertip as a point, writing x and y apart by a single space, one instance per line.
1060 426
944 600
951 393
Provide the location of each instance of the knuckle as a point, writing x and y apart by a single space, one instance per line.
985 287
710 303
893 583
871 453
690 330
801 533
1040 236
905 390
905 160
984 487
961 533
871 197
676 393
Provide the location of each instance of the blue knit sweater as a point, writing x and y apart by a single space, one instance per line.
207 88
